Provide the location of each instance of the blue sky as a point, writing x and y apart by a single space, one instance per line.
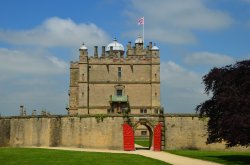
38 39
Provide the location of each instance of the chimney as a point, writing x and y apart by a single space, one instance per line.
21 110
111 51
103 51
96 51
150 45
129 45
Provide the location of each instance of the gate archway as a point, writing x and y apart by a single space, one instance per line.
149 130
154 135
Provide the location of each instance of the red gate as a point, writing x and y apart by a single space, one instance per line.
128 138
157 137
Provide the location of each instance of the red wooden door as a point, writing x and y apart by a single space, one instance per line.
157 137
128 138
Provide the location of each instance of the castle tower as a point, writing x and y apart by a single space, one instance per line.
114 82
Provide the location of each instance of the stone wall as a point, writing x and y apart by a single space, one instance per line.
97 131
89 132
190 132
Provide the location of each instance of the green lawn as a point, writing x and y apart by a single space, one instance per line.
224 157
36 156
142 141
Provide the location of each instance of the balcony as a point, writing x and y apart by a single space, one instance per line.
114 98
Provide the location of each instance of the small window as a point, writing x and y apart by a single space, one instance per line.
118 92
156 111
143 133
119 72
143 110
82 77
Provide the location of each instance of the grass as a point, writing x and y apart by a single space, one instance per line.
223 157
36 156
142 141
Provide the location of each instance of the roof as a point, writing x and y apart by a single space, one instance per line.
116 46
83 47
139 40
155 48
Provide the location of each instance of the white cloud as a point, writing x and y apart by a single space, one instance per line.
166 19
209 59
56 32
21 62
181 90
33 79
34 76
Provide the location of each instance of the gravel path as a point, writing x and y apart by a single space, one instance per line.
163 156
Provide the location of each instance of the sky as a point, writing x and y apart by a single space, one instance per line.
38 39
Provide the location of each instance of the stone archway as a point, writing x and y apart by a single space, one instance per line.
155 126
149 129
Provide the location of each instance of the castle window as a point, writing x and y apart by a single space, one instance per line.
118 92
143 133
119 72
143 110
82 77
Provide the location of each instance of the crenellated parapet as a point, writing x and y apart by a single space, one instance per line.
133 54
127 60
74 65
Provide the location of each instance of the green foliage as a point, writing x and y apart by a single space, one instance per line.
223 157
31 156
228 109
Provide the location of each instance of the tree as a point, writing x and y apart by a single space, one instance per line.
228 109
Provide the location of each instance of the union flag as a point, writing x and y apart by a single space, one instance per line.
141 21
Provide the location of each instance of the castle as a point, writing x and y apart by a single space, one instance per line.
111 96
115 83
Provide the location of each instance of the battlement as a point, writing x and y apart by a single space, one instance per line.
115 53
154 59
74 65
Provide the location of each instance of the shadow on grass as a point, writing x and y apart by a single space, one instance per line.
142 148
233 159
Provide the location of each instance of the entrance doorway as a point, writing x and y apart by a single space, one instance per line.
143 137
151 142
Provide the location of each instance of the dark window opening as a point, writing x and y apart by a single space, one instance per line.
118 92
119 72
143 133
143 110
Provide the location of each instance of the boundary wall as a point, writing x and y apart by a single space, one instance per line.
182 131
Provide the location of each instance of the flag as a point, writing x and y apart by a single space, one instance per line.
141 21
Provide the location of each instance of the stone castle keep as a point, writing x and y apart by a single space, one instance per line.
115 83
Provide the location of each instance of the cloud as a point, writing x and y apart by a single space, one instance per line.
208 59
56 32
168 18
181 89
33 79
21 62
32 71
34 93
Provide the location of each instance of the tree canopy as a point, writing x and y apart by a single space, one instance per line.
228 109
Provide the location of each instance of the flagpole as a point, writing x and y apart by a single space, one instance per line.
143 31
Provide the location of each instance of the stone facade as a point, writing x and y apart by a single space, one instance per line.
116 83
97 131
83 132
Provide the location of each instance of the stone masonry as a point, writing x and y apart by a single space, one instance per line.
112 82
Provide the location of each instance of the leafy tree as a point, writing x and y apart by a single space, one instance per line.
228 109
